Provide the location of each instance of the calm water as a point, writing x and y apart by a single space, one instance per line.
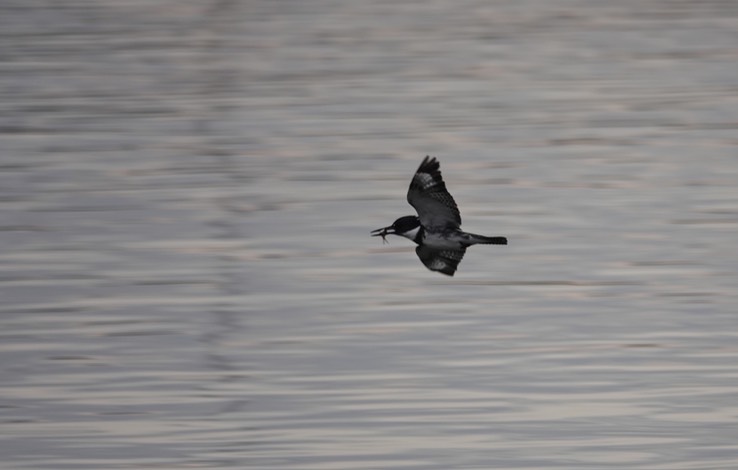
187 277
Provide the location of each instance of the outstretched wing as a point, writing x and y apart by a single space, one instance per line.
428 195
442 261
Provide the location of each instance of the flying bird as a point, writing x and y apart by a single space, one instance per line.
437 227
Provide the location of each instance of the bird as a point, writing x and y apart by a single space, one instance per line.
437 227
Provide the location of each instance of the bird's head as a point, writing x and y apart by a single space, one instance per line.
407 227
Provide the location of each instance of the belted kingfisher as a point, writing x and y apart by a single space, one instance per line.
436 228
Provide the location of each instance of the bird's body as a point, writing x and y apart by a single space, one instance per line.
437 227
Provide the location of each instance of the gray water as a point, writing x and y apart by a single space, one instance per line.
187 277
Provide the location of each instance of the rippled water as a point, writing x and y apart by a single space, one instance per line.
187 190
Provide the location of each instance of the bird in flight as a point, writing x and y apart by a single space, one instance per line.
436 228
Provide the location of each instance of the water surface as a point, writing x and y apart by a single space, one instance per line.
187 190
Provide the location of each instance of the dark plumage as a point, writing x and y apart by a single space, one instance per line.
436 228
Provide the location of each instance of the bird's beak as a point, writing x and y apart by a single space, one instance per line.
383 232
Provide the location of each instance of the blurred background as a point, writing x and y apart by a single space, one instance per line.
187 278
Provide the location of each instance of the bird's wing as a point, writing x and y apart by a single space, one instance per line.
428 195
442 261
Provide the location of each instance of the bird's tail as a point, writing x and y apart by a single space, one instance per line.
488 240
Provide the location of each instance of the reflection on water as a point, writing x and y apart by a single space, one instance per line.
186 190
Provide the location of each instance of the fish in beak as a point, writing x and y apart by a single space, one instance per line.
383 232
